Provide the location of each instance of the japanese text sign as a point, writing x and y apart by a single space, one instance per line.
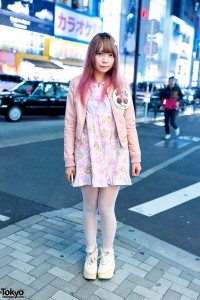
74 25
59 49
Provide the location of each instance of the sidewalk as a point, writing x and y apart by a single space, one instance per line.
151 117
42 258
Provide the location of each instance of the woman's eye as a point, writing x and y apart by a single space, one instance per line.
111 54
100 53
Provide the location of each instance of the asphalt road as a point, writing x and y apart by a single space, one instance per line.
32 177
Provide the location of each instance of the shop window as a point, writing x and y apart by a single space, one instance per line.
82 5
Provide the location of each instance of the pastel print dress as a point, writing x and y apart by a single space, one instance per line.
100 159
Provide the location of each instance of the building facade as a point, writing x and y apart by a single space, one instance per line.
46 40
44 36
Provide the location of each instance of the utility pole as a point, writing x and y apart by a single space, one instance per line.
137 54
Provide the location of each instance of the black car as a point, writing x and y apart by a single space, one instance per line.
142 92
196 100
156 99
48 98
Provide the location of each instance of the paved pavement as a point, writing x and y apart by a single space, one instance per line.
42 257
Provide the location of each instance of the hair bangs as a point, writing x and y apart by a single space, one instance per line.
106 45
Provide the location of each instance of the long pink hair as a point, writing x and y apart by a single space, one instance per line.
103 42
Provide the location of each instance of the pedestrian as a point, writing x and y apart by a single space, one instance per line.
99 135
170 101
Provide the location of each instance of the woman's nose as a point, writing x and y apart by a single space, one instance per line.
105 58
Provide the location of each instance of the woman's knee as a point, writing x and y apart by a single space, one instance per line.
89 207
106 212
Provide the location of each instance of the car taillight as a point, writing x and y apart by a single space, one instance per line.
28 91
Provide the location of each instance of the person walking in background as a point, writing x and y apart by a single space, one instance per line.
170 101
99 135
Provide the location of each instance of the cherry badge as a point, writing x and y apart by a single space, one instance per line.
121 102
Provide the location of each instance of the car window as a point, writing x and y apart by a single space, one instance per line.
11 78
62 90
3 77
39 91
19 79
24 88
50 90
142 86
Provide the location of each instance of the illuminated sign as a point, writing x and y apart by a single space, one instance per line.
59 49
74 25
36 16
144 13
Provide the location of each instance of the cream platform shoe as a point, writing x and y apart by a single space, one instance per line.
90 266
107 265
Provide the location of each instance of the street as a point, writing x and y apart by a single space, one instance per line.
32 178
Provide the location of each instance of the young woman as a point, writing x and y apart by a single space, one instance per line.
99 135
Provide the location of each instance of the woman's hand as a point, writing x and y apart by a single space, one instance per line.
69 171
136 168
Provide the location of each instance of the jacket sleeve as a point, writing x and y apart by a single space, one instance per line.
70 127
132 136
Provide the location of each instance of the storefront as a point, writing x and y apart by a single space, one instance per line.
7 63
28 39
62 60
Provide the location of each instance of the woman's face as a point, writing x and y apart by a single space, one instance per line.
104 62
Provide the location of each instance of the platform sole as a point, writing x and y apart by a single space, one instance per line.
87 275
107 275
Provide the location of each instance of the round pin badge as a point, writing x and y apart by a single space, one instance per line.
121 102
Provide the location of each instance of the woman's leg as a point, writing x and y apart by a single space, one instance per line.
106 207
90 199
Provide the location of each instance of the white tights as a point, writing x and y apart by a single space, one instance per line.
100 200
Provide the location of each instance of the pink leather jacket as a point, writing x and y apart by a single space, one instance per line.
75 118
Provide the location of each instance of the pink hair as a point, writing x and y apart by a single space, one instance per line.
103 42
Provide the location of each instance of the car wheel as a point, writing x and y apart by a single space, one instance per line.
14 114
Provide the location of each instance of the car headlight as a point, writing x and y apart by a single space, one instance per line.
190 98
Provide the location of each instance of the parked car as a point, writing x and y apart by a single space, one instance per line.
188 96
7 81
48 98
196 99
26 87
142 94
156 99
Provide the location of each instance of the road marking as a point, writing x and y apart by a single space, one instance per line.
166 202
4 218
161 166
31 140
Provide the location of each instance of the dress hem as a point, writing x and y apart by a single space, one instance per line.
102 182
